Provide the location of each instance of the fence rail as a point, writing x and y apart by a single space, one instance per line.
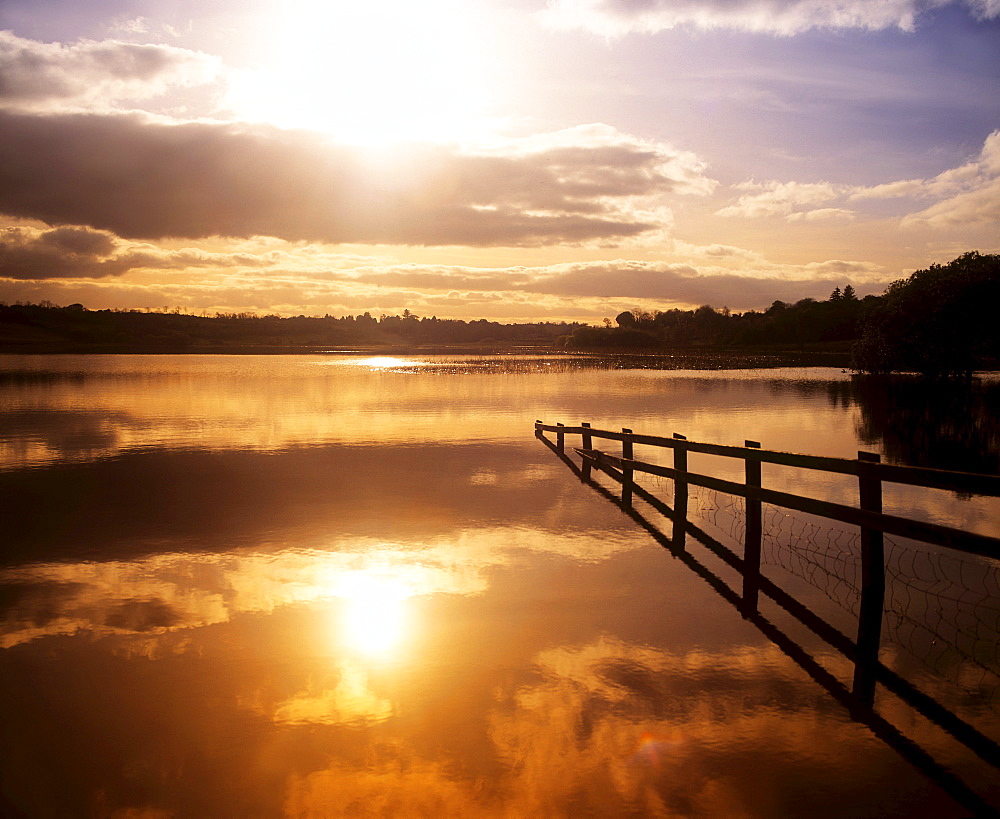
890 473
868 469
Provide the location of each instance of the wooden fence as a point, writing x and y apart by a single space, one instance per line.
868 469
868 515
863 651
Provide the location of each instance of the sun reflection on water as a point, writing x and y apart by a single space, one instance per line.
352 701
385 362
374 619
652 749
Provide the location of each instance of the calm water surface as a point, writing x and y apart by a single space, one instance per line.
324 586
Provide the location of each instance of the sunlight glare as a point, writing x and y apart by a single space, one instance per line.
374 618
385 362
371 73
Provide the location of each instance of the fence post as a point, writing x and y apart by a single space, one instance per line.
680 492
872 585
751 542
588 443
560 437
627 473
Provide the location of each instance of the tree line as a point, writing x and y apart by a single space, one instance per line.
47 327
832 323
938 322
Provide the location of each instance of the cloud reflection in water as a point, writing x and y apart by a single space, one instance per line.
375 580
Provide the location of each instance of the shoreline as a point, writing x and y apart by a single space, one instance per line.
707 358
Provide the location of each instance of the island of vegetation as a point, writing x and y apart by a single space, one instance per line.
938 322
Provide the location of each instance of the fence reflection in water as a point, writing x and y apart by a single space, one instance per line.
939 606
942 608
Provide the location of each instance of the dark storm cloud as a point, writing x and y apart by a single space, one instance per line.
145 180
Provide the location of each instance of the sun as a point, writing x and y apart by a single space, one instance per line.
371 72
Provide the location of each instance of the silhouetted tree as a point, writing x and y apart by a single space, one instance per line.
938 322
625 319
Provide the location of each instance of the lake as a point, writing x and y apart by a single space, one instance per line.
327 585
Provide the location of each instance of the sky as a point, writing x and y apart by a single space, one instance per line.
515 160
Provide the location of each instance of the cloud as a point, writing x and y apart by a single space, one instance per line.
432 278
820 214
837 267
64 252
621 278
969 195
892 190
46 76
682 285
79 252
614 18
980 206
783 198
599 154
138 26
330 283
149 180
718 251
668 284
949 182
